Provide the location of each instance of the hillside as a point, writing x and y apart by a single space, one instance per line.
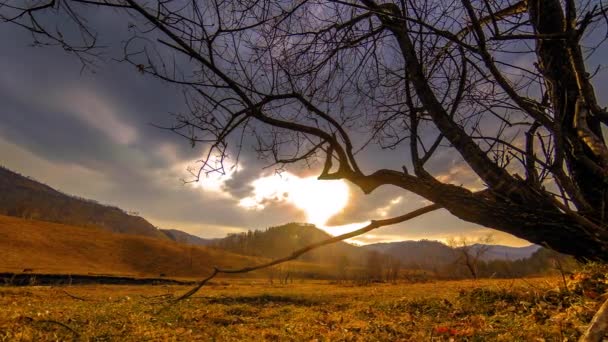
47 247
26 198
189 239
280 241
417 254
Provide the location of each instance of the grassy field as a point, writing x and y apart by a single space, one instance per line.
48 247
52 248
245 310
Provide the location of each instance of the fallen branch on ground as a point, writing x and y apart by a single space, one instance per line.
598 326
75 297
63 325
374 224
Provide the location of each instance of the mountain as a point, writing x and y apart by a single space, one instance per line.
26 198
52 248
183 237
276 242
419 254
498 252
428 254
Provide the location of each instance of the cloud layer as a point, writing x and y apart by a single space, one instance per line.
90 134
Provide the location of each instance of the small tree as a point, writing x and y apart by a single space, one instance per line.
470 253
393 267
373 266
342 268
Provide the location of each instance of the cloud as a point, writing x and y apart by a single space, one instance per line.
240 184
498 238
96 111
66 177
90 135
461 174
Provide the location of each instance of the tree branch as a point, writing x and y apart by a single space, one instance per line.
375 224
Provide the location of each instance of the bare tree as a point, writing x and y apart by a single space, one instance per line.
342 266
470 253
502 84
374 267
393 267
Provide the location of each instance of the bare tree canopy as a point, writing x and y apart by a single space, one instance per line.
470 253
502 84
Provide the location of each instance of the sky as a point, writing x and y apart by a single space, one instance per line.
93 134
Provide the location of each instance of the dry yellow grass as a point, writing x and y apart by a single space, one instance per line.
56 248
239 310
253 310
51 248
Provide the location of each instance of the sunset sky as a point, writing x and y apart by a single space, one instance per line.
91 134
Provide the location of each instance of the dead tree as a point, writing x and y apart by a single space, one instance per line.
393 268
503 85
469 254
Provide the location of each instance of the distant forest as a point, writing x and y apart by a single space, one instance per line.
427 260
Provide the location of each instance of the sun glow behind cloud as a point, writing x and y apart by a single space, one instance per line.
319 200
210 182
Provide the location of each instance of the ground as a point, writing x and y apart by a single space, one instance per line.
536 309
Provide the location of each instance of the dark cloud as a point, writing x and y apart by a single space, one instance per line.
250 169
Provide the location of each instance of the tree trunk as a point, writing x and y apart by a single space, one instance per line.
555 63
530 221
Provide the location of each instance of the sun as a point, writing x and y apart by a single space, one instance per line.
320 200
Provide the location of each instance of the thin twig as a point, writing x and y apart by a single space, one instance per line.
63 325
75 297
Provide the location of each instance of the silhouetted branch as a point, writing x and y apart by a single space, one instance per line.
375 224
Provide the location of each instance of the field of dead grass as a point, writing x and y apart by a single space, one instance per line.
52 248
246 310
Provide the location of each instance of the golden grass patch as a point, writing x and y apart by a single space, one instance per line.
248 310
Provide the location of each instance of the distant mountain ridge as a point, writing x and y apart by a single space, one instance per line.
280 241
189 239
428 253
499 252
422 254
26 198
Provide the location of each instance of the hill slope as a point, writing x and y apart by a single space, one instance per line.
25 198
276 242
47 247
183 237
